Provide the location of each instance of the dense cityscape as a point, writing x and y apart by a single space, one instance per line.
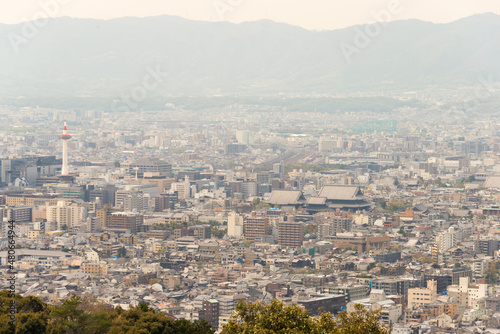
192 211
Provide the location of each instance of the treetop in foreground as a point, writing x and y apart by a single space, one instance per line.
277 318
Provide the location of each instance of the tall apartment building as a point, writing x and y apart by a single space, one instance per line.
245 137
444 241
20 214
486 246
447 240
337 224
65 214
290 233
211 311
249 189
126 221
183 189
256 226
279 170
133 199
104 215
106 194
234 225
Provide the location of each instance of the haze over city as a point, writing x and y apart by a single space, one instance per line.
229 166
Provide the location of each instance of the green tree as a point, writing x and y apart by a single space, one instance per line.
273 318
144 320
219 234
89 316
491 273
311 229
395 206
360 321
121 252
276 318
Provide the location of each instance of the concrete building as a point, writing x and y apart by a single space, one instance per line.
256 227
19 214
234 225
123 221
334 225
466 294
139 167
64 214
421 296
290 233
211 312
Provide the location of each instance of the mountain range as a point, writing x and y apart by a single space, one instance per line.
69 57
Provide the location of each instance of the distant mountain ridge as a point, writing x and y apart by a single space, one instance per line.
94 58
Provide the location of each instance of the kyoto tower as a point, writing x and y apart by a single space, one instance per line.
65 137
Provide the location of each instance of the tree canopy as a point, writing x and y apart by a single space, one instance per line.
88 316
276 318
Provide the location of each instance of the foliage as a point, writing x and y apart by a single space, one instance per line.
168 227
121 252
397 206
491 274
311 229
219 234
277 318
78 315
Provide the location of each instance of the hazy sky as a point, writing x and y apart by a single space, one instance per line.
310 14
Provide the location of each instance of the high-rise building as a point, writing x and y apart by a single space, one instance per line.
123 221
290 233
249 189
234 225
149 165
132 200
161 203
65 215
20 214
245 137
486 246
183 189
104 215
211 310
444 241
327 145
279 170
334 225
256 226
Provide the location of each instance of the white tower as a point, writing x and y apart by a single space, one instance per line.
65 137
